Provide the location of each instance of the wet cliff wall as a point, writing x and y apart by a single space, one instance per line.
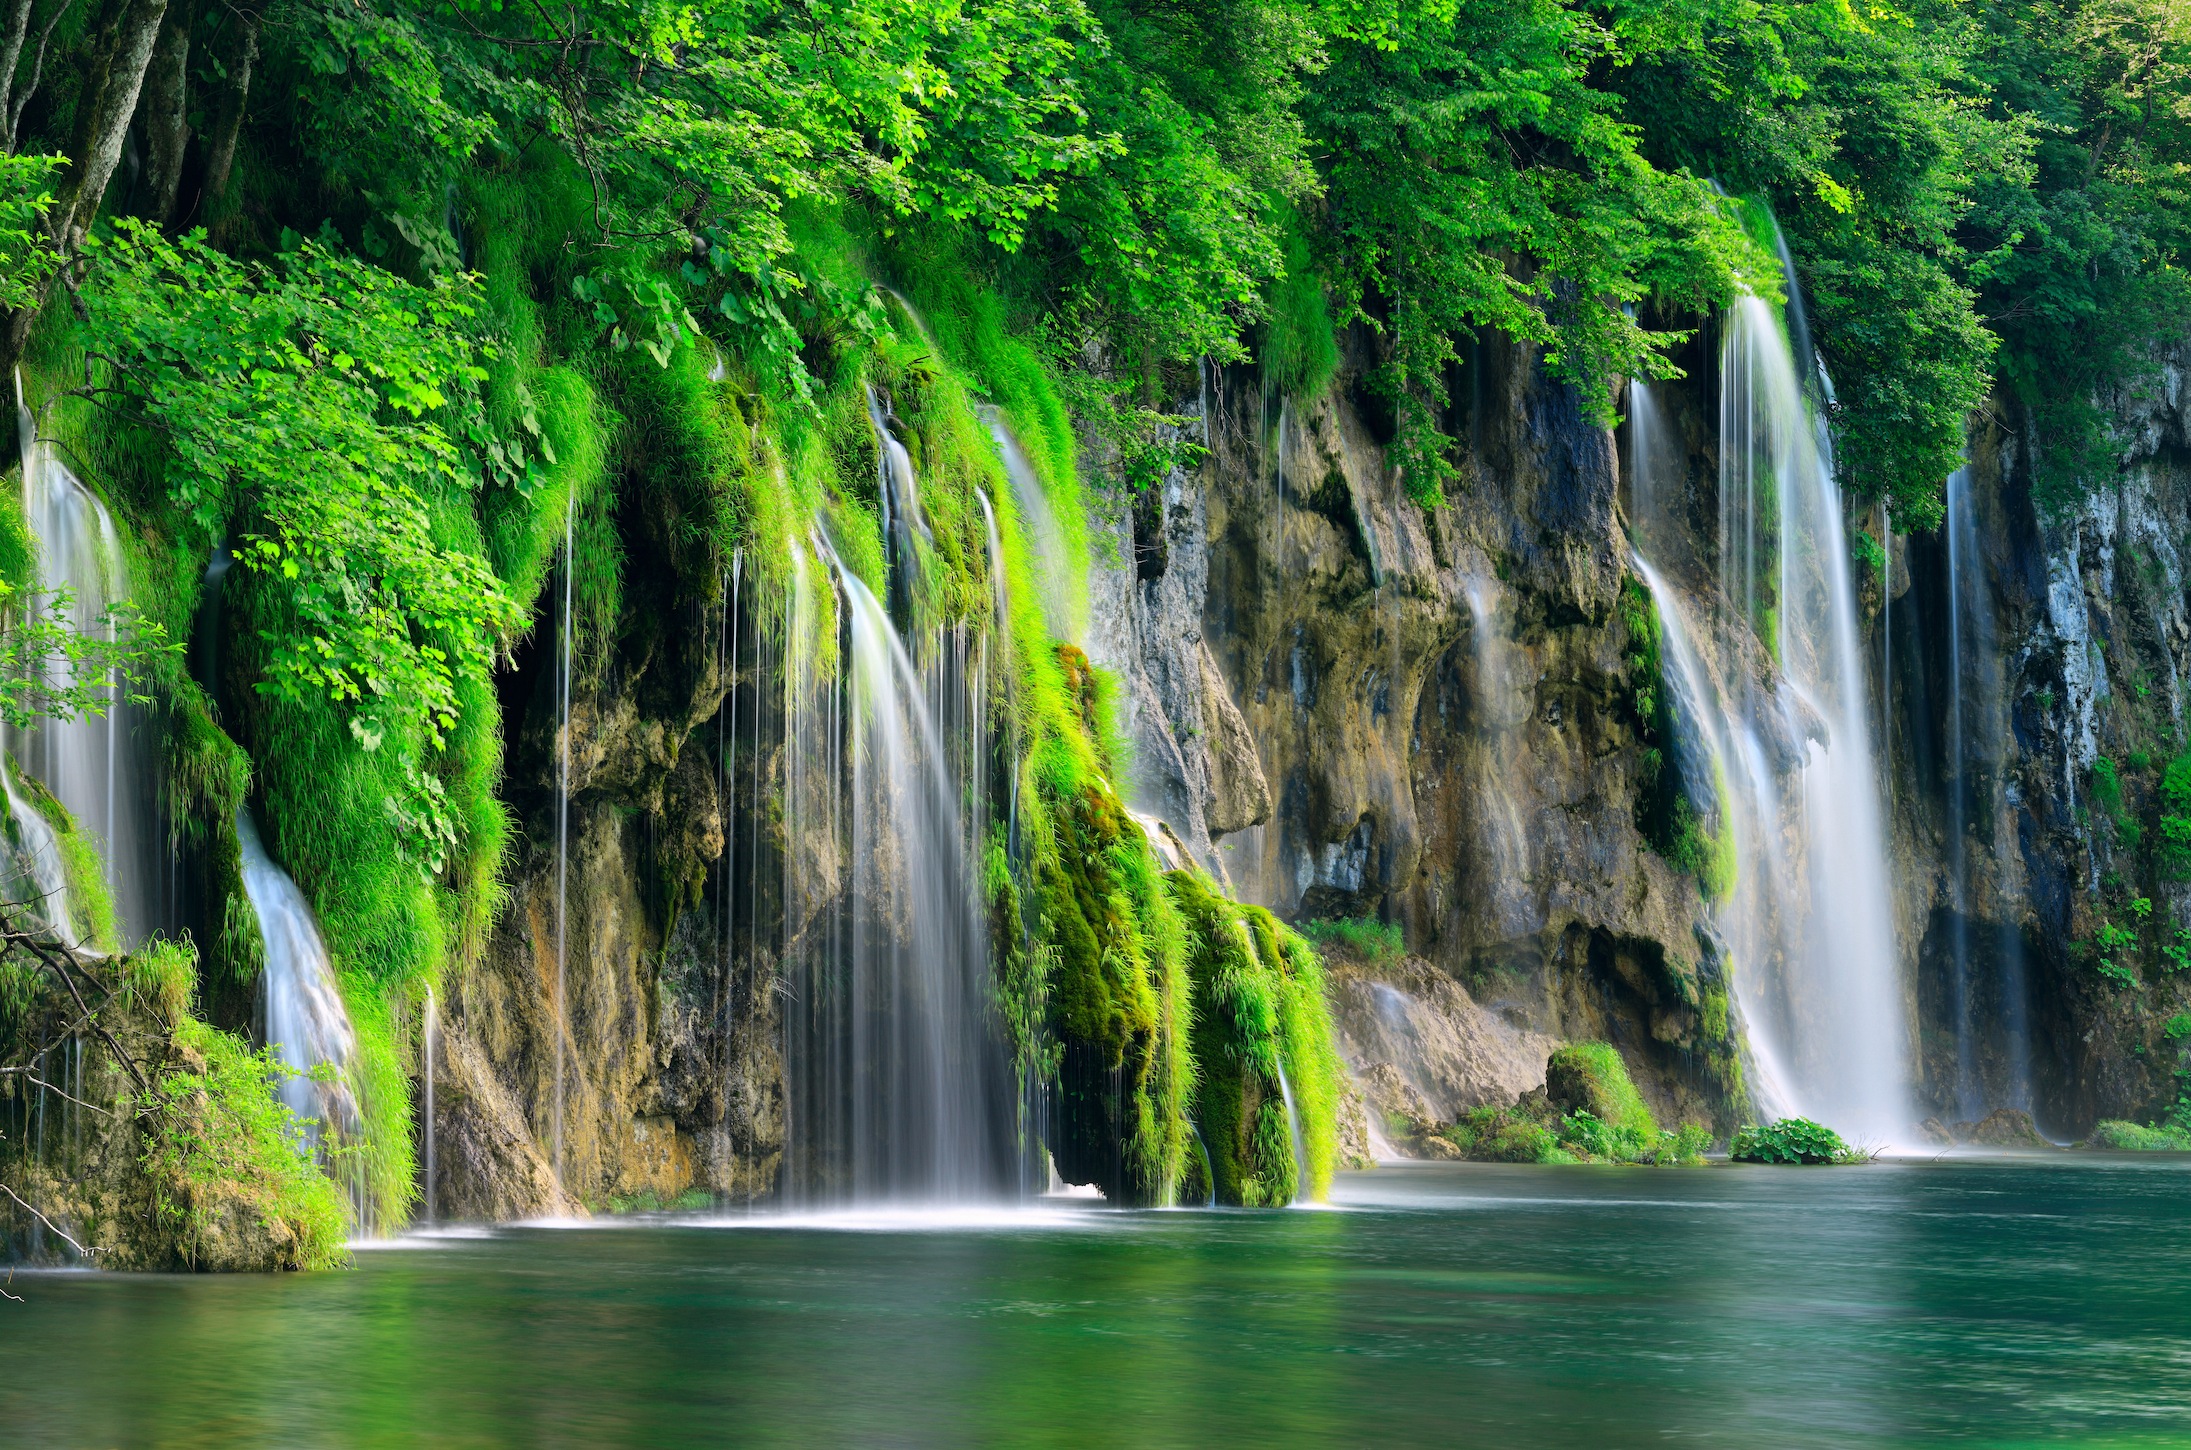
1355 707
2044 903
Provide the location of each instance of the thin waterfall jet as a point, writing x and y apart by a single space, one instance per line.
427 1034
563 829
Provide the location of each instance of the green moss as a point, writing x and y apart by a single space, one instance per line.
162 976
1300 348
1591 1077
219 1138
1261 1025
1379 943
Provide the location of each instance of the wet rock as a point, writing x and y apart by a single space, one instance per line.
2003 1128
1424 1027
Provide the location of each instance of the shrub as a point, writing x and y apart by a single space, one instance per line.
1590 1077
1379 943
2131 1137
225 1152
1792 1140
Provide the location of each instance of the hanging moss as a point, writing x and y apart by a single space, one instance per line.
1261 1025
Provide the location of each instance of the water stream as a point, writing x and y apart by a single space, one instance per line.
1986 983
304 1019
1774 743
897 1077
93 765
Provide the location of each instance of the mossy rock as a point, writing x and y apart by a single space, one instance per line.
1591 1077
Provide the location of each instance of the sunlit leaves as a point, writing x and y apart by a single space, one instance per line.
317 408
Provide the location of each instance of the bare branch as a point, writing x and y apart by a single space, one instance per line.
49 1223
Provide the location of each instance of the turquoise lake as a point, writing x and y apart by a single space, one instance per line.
1990 1302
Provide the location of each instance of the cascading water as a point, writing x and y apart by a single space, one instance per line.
896 1072
305 1022
91 764
1848 1048
1781 769
1501 704
1062 608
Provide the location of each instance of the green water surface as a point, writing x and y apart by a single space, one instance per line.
2001 1302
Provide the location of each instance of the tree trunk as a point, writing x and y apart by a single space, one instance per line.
119 57
11 53
220 156
114 74
163 111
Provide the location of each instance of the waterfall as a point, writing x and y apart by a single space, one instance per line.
305 1022
1973 774
91 764
1779 764
33 875
896 1071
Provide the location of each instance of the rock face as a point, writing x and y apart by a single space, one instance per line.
1448 1053
1346 705
2076 634
1438 701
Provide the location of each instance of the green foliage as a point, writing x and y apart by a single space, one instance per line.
1792 1140
1480 180
2123 1136
1378 943
329 407
220 1136
27 258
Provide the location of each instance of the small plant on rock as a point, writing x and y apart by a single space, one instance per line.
1794 1140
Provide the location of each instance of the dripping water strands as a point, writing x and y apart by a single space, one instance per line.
1986 975
1032 1104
